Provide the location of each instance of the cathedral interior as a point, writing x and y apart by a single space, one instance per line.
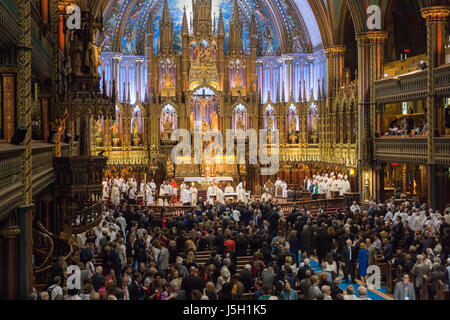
95 89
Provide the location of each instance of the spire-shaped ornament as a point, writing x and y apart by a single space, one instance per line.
184 25
221 27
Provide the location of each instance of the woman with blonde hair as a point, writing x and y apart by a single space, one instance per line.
190 259
190 246
210 291
363 260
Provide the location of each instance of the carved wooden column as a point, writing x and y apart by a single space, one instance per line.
8 99
9 236
24 119
436 20
370 69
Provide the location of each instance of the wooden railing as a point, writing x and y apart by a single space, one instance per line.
401 149
88 218
407 87
442 80
442 150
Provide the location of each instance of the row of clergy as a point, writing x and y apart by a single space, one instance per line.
325 184
118 189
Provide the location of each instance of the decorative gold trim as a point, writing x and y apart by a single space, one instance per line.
435 14
10 233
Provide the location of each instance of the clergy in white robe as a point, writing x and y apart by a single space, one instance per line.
340 185
278 187
285 189
186 197
182 193
193 191
163 190
153 185
266 196
105 189
220 197
229 189
346 188
330 186
148 195
241 196
142 186
115 195
209 192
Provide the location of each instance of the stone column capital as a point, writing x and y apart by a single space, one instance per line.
435 13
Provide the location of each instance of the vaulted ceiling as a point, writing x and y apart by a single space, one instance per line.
291 23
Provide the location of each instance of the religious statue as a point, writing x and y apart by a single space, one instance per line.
98 132
269 40
135 132
238 80
169 167
167 81
94 55
293 124
168 123
214 121
239 122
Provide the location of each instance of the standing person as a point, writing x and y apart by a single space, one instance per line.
193 191
192 282
363 260
306 241
348 259
404 290
148 195
288 293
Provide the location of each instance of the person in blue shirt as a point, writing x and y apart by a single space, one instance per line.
288 293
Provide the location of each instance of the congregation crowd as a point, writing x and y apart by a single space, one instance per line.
137 253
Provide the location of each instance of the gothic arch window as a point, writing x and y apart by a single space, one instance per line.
204 110
137 127
240 117
313 124
168 122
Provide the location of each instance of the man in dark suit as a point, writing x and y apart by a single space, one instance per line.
220 241
247 277
306 241
97 278
241 245
387 251
192 282
348 258
135 291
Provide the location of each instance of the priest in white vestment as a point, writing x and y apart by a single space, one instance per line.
115 195
346 187
182 187
186 197
229 189
285 189
220 198
241 196
266 196
148 195
209 192
193 192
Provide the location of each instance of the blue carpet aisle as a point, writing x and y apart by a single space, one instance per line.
370 293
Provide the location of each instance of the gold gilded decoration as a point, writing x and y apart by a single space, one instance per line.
10 233
436 14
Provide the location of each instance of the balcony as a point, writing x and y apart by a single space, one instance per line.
407 87
442 83
401 149
442 150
